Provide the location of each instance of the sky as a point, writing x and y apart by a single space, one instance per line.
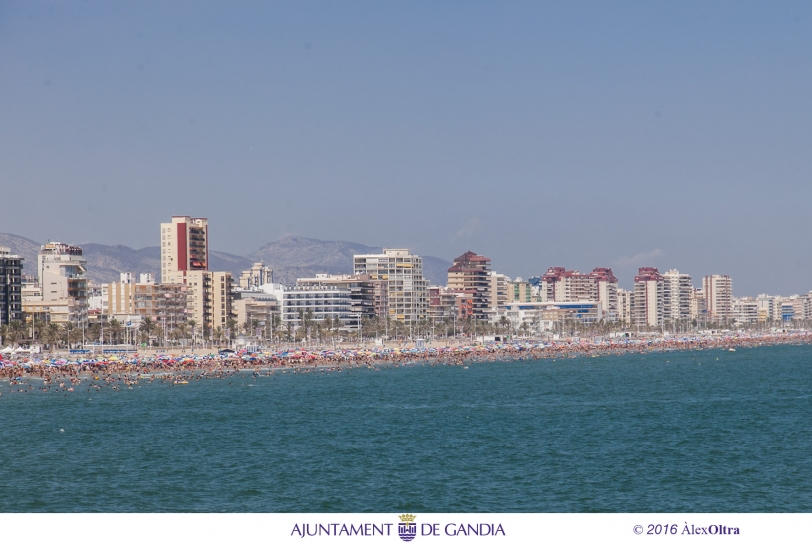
575 134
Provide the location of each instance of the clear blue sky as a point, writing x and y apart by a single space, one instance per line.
580 134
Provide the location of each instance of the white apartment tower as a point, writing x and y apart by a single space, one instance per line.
408 291
62 278
624 306
677 293
647 300
718 297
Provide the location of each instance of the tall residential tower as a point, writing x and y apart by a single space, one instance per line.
407 290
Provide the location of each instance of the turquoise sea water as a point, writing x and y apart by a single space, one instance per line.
665 432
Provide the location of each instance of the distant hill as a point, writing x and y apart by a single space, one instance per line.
21 246
290 257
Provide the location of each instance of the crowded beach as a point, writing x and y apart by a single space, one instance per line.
29 373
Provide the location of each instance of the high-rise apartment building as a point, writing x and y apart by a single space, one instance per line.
718 291
647 300
606 290
677 292
768 309
11 270
471 272
624 305
185 260
407 290
699 311
62 280
745 311
500 290
184 245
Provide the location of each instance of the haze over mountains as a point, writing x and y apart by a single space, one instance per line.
290 257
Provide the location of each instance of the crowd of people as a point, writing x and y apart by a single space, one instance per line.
114 372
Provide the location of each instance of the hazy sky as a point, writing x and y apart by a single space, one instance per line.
578 134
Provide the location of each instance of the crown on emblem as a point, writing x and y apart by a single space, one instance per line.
407 518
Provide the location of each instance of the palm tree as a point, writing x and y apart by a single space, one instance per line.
147 328
193 328
231 326
115 330
51 335
218 335
66 332
275 321
16 331
38 326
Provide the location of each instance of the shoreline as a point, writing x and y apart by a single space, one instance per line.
116 373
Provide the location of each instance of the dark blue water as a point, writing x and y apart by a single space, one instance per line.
660 432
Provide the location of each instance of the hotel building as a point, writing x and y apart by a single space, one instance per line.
322 302
362 291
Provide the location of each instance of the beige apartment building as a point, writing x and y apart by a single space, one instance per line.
624 306
184 245
185 261
407 290
257 309
647 299
718 291
500 290
59 294
561 285
255 277
520 291
164 304
471 272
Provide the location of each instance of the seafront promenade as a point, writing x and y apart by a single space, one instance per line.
168 365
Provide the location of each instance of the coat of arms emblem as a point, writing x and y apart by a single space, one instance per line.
407 529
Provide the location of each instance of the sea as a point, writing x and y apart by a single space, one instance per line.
699 431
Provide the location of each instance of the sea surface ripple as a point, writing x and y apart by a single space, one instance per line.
704 431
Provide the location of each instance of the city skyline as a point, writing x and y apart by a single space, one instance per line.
625 279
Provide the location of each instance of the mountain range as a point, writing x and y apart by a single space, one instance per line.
290 257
